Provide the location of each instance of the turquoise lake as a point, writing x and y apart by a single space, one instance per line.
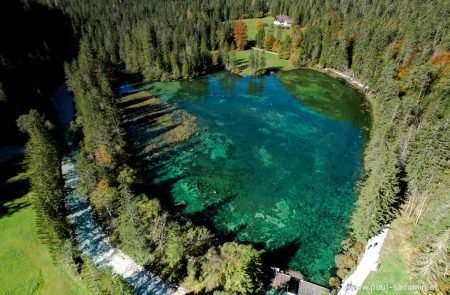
274 160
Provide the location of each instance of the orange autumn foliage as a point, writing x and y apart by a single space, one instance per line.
296 30
402 71
293 58
297 41
442 61
102 156
102 186
240 34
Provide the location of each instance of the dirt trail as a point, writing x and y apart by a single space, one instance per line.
263 50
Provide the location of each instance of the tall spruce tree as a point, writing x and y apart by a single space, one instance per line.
43 165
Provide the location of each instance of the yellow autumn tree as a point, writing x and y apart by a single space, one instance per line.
103 199
276 46
268 41
102 156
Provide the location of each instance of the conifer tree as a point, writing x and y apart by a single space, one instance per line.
262 60
432 264
260 33
43 165
252 62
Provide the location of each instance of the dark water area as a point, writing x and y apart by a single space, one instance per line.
275 161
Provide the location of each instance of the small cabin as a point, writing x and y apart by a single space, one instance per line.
283 21
292 283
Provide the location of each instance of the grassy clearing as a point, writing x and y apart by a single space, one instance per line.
272 60
395 255
251 27
26 266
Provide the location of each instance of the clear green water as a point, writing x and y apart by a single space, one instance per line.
275 162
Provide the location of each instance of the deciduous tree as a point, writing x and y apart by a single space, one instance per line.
268 41
240 34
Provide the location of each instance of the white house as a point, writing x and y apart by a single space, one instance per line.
283 20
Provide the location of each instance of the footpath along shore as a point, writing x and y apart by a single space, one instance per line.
368 263
355 82
91 239
95 244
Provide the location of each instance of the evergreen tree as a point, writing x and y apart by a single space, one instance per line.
260 33
232 58
237 278
252 62
262 60
432 263
43 165
400 51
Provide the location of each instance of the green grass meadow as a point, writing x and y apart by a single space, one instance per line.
393 272
272 60
25 263
251 27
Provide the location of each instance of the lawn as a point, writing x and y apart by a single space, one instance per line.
26 266
394 263
251 27
272 60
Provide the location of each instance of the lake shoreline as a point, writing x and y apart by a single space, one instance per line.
263 151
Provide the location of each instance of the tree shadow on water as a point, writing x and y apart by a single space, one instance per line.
163 192
204 218
131 102
279 258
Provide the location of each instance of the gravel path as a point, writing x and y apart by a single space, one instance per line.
263 50
92 240
350 79
368 263
95 244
